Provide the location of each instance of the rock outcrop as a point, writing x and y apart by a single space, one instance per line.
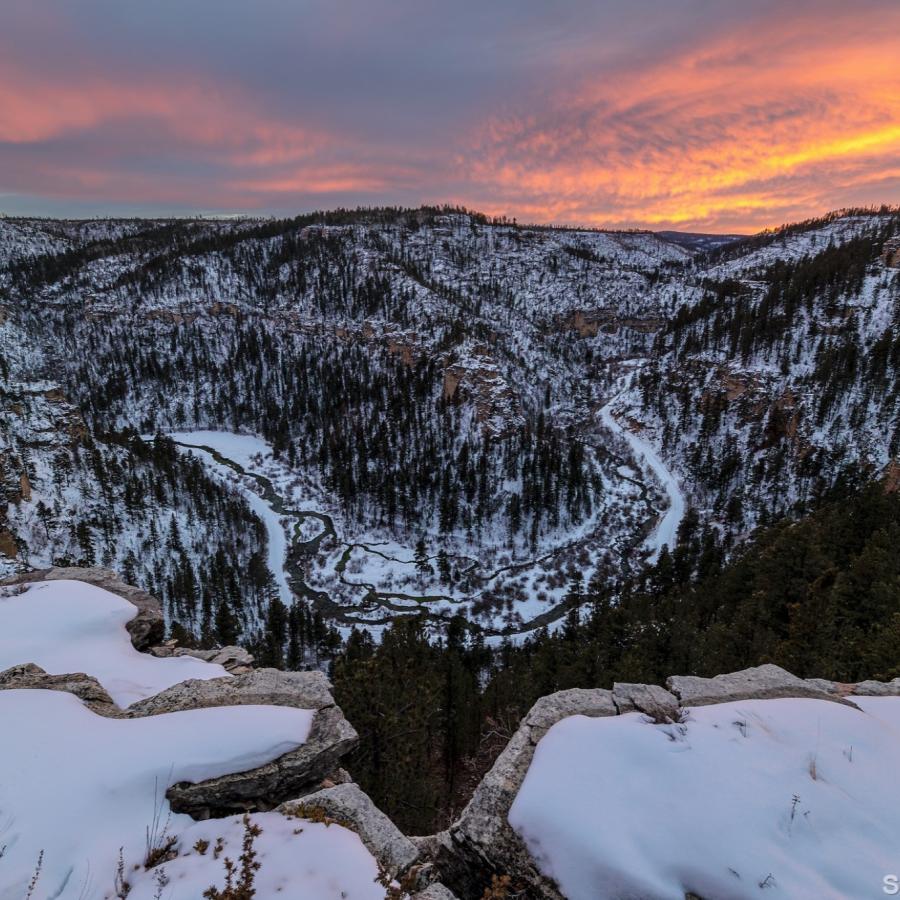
146 628
235 660
290 776
890 253
347 805
481 843
877 688
85 687
308 782
766 682
435 891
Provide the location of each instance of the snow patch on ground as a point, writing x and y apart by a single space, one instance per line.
70 626
782 798
77 786
297 859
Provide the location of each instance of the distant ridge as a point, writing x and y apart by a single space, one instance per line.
697 241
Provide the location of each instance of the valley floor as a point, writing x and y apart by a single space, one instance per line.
368 579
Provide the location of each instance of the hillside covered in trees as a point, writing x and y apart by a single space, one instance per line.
461 463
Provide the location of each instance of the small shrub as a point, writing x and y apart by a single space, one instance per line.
121 885
161 852
32 885
240 875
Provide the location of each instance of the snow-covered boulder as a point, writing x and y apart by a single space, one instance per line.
288 777
111 745
86 785
765 682
70 626
568 834
146 627
793 797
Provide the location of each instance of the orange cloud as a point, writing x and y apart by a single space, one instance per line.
744 128
745 133
198 121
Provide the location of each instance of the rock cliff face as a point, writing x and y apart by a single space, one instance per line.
890 255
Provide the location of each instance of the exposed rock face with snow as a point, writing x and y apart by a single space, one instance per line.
481 842
593 796
560 838
146 628
891 253
291 775
206 745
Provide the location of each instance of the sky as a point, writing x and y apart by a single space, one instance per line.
704 115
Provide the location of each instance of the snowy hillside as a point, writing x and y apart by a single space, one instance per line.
460 415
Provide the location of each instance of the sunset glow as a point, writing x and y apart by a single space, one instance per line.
692 115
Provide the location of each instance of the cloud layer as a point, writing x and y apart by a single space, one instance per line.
698 115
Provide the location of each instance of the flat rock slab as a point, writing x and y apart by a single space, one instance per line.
85 687
767 682
303 690
292 775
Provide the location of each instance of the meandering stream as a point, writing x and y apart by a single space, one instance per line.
666 531
289 554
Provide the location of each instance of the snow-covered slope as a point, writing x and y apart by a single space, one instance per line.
78 786
432 381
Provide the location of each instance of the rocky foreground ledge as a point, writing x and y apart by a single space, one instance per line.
306 782
482 843
482 846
